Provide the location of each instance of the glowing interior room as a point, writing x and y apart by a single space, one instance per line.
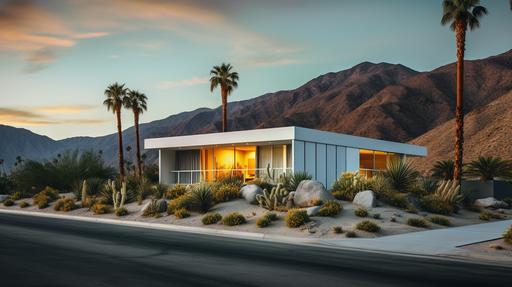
251 153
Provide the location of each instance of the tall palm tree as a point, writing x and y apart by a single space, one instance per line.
461 15
224 77
137 103
116 98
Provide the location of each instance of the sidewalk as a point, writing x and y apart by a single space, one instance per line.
430 242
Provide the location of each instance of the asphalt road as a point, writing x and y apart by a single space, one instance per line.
52 252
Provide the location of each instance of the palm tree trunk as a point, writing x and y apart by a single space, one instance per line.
460 31
137 138
120 144
224 95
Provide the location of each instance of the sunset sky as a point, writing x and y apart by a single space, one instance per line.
57 57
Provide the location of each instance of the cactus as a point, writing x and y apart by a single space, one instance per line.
272 199
84 190
118 197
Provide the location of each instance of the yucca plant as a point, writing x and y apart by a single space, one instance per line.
443 169
291 181
449 191
489 168
400 174
201 198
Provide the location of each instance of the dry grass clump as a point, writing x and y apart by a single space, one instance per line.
440 220
211 218
8 202
24 204
417 222
65 204
226 192
44 197
507 236
487 215
337 229
100 208
361 212
176 191
121 211
296 217
368 226
233 219
330 208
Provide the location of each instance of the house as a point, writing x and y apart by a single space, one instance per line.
255 153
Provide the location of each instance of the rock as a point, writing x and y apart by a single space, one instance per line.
490 202
3 197
310 191
250 191
312 211
365 199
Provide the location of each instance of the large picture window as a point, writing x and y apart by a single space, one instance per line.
372 162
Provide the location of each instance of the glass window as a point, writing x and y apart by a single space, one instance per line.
245 161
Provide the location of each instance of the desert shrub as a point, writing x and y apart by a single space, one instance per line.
7 184
182 201
159 190
440 220
443 170
16 195
489 168
417 222
348 185
368 226
376 216
8 202
400 175
151 173
231 179
211 218
434 204
379 184
100 208
507 236
296 217
65 204
263 222
262 183
487 215
24 204
330 208
411 209
350 234
291 181
425 186
201 198
508 200
121 211
393 198
44 197
316 202
337 229
225 192
153 209
181 213
176 191
233 219
361 212
271 216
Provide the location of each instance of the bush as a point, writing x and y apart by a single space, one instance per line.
211 218
507 236
417 222
487 215
262 183
201 198
176 191
65 204
225 192
508 200
440 220
100 208
8 202
292 180
121 211
361 212
368 226
271 216
181 213
233 219
24 204
351 234
153 209
337 229
433 204
182 201
296 217
263 222
231 179
330 208
376 216
400 175
16 196
394 198
44 197
346 187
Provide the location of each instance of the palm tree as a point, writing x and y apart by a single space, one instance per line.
443 170
116 98
228 81
489 168
137 103
461 14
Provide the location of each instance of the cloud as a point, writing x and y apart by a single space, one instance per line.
272 62
183 83
90 35
39 116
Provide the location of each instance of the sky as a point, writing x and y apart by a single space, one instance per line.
57 57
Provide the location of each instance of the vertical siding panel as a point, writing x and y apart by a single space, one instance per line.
352 159
341 160
310 159
331 165
321 163
298 156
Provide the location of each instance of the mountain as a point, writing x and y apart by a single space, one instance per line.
487 132
385 101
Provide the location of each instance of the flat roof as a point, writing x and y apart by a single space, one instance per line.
282 135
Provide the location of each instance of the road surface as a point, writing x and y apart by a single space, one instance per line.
37 251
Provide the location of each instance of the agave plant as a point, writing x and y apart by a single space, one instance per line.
443 170
449 191
201 198
291 181
489 168
401 176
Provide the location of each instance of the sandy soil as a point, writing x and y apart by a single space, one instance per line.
319 226
488 249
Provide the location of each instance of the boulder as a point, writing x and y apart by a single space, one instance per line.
3 197
310 191
250 191
312 211
162 205
365 198
490 202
